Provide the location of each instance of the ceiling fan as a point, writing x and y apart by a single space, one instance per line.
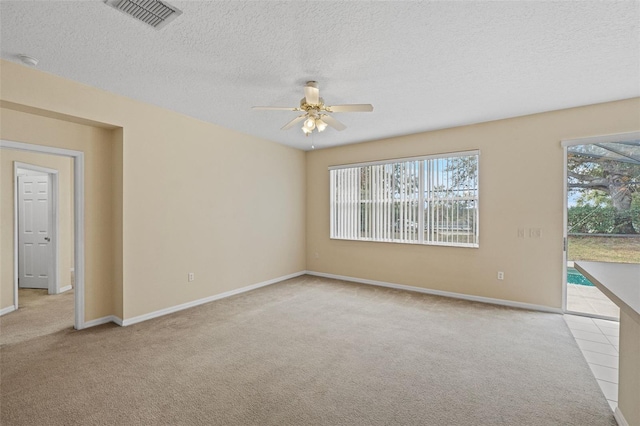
316 113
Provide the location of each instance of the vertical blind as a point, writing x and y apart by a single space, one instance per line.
425 200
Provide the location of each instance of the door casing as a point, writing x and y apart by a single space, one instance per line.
78 205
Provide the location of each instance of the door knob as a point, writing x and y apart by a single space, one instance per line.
47 239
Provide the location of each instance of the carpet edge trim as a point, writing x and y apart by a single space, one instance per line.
7 310
489 300
176 308
617 414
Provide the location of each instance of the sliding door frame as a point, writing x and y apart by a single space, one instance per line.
566 143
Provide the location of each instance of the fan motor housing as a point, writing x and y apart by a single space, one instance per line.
305 106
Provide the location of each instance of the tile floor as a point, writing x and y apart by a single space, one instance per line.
590 300
599 342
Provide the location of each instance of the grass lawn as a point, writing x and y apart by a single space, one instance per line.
605 249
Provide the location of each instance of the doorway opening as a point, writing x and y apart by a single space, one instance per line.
602 215
78 227
44 219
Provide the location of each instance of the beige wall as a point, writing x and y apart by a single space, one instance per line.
195 197
202 199
629 387
65 204
98 146
521 186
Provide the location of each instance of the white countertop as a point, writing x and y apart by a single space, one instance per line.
620 282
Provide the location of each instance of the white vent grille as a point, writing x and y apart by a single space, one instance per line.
152 12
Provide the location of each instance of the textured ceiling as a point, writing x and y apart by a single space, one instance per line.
424 65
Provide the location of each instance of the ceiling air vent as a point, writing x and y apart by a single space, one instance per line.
152 12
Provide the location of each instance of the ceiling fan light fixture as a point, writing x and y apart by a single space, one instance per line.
315 114
310 123
320 125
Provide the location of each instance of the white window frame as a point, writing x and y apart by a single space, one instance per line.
337 226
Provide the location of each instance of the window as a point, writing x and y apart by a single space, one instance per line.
424 200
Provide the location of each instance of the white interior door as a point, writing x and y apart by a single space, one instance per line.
34 248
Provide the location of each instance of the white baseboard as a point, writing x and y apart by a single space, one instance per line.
6 310
65 288
176 308
172 309
471 298
619 417
103 320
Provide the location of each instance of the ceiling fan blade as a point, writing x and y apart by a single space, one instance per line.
294 121
311 93
274 108
333 122
351 108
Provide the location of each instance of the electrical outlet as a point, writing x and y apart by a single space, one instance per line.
191 276
317 255
500 275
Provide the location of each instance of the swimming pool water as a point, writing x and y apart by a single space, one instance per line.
575 277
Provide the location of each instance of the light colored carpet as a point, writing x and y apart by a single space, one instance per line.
39 314
309 351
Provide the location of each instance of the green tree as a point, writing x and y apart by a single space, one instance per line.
605 180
